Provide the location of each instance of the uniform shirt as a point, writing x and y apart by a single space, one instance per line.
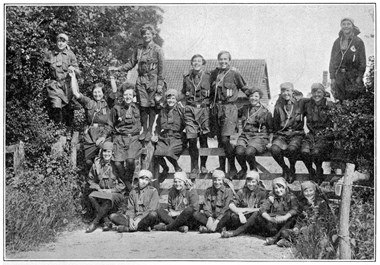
179 200
316 115
217 201
59 62
150 60
103 176
274 205
224 79
288 118
171 119
142 201
318 208
97 112
257 119
245 198
196 87
126 119
354 57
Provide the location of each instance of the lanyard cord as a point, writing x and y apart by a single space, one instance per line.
220 81
343 54
196 86
288 116
253 114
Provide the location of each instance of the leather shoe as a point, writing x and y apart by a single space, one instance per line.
270 241
91 228
203 229
107 227
122 228
227 234
183 229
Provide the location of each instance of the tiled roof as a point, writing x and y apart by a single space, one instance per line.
254 73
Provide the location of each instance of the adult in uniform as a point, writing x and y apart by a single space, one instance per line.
149 58
169 136
257 132
141 212
107 186
226 82
347 62
126 124
61 61
196 91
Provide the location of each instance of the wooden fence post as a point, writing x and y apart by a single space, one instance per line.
18 155
344 220
74 143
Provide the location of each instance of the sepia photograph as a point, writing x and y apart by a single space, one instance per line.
199 132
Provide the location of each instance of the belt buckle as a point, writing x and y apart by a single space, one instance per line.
198 105
95 125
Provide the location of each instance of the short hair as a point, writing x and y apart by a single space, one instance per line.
224 52
98 85
147 27
254 90
127 86
198 56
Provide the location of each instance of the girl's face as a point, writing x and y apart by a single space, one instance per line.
97 93
279 190
251 183
171 100
107 155
224 61
197 63
61 44
143 182
217 182
308 192
147 36
254 99
286 94
179 184
346 27
318 95
128 96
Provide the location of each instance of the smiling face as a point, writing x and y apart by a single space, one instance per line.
279 190
61 44
128 96
107 155
97 93
224 60
308 192
347 27
171 100
317 95
197 63
286 93
179 184
251 183
143 181
217 182
254 98
147 36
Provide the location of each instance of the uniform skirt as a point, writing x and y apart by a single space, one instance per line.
115 198
259 142
171 146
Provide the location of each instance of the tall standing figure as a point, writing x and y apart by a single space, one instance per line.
196 91
347 62
225 84
149 58
61 61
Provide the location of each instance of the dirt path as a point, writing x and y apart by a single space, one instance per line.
154 245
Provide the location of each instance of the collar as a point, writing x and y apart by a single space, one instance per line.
149 45
198 73
222 189
104 163
57 51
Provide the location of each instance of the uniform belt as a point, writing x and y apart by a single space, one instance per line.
201 105
96 125
130 134
167 133
224 103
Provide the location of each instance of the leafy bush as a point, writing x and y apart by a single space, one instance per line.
40 201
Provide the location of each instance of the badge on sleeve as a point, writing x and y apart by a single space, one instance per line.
185 201
353 49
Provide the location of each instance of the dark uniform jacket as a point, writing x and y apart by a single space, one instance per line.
354 57
274 205
179 200
257 120
217 201
196 88
126 119
59 62
142 201
245 198
171 120
224 79
103 176
150 60
282 123
316 115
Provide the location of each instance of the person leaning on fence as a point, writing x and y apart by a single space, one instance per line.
183 201
288 123
108 188
315 148
196 91
225 84
98 114
149 58
347 62
126 123
61 61
215 215
246 204
257 132
169 133
141 212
